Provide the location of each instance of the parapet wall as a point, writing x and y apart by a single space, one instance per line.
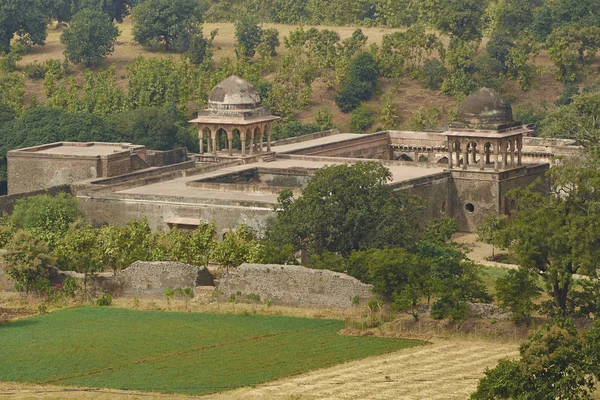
294 285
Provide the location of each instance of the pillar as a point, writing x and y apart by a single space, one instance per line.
251 142
268 139
474 148
519 147
496 151
504 154
481 158
457 153
512 153
201 136
488 150
230 145
450 154
214 142
466 156
260 147
243 142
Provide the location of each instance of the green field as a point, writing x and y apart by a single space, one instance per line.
174 352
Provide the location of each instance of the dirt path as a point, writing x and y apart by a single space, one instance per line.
448 369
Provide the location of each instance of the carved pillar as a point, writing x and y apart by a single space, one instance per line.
268 138
201 136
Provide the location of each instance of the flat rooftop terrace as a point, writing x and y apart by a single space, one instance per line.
177 187
292 147
91 149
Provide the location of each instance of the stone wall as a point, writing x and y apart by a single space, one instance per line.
7 203
375 145
144 279
294 285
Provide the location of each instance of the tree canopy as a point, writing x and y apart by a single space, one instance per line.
25 18
90 37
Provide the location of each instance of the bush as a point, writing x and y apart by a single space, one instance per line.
566 97
105 300
359 84
361 120
35 70
292 129
433 74
515 293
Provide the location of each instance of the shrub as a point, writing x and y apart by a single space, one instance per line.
359 84
35 70
361 120
566 97
515 292
105 300
433 74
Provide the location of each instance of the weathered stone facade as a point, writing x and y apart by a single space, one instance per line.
293 285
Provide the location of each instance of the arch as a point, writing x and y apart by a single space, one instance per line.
443 160
221 138
423 159
405 157
258 138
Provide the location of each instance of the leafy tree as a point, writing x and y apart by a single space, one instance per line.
461 19
116 9
554 364
499 47
238 247
28 260
191 248
90 37
577 120
489 230
396 13
519 65
403 52
345 208
25 18
77 250
433 74
359 84
361 120
388 114
201 48
12 92
571 48
324 119
172 22
554 231
49 216
288 12
512 17
515 293
248 35
424 119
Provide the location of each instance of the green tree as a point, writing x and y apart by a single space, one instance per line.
489 229
248 35
359 84
25 18
48 216
324 119
403 52
554 231
388 114
345 208
361 119
424 119
77 250
461 19
116 9
238 247
27 260
554 364
571 48
90 37
516 291
172 22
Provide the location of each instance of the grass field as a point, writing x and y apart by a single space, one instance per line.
188 353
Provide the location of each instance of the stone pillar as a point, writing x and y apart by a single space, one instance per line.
450 154
504 149
466 156
260 147
251 142
519 148
512 153
481 157
201 136
474 148
214 142
230 146
243 142
488 150
268 139
496 151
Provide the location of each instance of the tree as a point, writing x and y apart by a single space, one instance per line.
248 35
50 217
555 363
403 52
238 247
515 293
90 37
116 9
77 250
324 119
488 230
28 260
388 115
172 22
359 83
555 229
25 18
571 48
345 208
361 119
461 19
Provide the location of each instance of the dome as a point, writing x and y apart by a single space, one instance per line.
234 93
485 107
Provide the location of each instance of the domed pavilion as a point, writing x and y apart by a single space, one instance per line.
235 110
485 127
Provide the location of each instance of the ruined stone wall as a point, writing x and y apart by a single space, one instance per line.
294 285
144 279
434 190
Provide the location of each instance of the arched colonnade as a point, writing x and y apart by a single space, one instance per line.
251 137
